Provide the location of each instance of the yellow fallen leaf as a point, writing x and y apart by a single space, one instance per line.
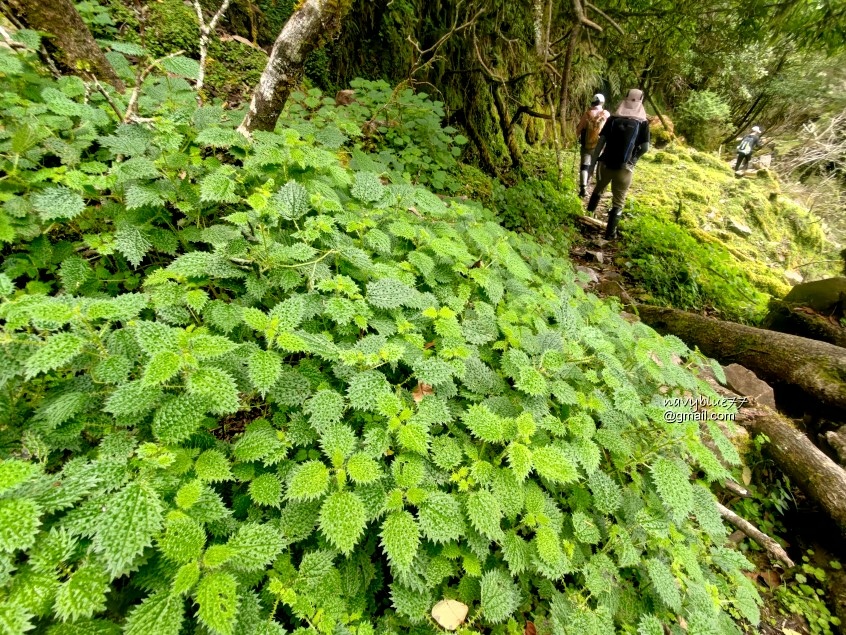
450 614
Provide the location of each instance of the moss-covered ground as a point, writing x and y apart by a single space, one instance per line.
698 236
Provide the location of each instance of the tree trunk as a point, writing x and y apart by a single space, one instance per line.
817 475
504 117
309 27
564 103
816 369
804 322
820 478
68 40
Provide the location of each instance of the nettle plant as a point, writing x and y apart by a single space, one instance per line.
249 389
400 130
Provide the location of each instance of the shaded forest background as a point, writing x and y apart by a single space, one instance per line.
506 70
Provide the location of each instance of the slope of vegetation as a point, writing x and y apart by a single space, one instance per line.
278 385
702 238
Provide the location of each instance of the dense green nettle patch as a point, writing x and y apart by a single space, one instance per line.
254 386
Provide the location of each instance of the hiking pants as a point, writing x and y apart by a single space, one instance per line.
742 159
620 181
587 160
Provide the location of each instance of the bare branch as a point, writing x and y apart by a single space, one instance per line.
10 42
582 18
771 546
606 16
206 29
132 106
101 89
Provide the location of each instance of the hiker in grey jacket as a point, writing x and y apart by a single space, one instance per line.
748 145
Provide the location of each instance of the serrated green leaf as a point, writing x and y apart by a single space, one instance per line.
161 613
342 520
58 350
400 539
213 467
19 523
552 463
162 366
292 200
308 481
264 368
83 594
362 469
254 546
128 524
441 518
485 514
500 596
216 388
178 418
58 202
217 597
266 490
183 540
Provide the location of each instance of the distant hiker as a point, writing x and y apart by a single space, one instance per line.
590 125
747 146
623 140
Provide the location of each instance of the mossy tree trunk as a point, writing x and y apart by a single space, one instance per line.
312 24
817 369
67 39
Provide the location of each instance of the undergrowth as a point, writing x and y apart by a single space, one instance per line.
278 385
681 272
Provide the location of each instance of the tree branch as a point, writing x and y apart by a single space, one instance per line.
132 104
771 546
206 29
582 18
606 16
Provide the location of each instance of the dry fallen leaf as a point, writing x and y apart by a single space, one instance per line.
530 629
450 614
421 391
747 475
772 578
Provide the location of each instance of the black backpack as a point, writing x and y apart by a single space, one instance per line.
620 142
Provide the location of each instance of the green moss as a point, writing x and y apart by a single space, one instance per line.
691 190
665 157
171 26
711 161
233 69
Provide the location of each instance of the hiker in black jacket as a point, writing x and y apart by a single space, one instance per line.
623 140
748 145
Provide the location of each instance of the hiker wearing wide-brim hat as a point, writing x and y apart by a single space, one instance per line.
748 145
623 140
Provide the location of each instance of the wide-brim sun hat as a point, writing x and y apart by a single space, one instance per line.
632 106
756 129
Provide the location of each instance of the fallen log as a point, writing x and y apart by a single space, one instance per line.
822 480
816 369
775 550
804 322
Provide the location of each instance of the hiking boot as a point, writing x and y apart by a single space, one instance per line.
583 179
613 221
582 191
593 203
